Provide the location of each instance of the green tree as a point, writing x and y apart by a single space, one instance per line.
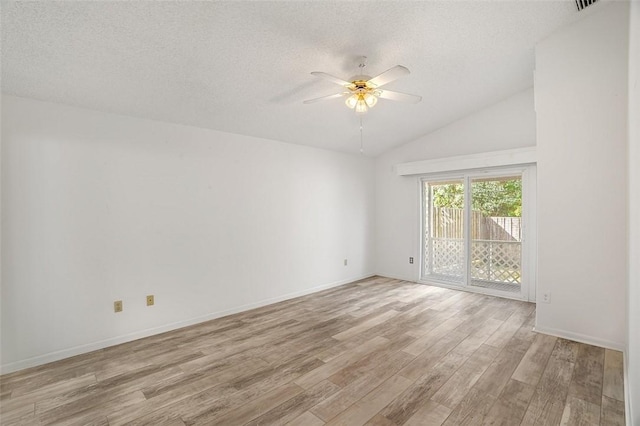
448 195
491 198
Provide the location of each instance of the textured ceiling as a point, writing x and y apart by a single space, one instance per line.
243 67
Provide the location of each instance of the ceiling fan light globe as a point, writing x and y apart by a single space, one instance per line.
361 106
371 100
351 101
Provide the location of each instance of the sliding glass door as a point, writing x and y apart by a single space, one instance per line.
444 257
472 231
496 233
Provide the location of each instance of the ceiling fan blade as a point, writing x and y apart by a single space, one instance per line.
397 96
331 78
388 76
324 98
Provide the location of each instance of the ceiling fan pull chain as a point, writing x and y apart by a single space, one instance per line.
361 144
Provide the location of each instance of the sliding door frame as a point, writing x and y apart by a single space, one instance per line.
528 260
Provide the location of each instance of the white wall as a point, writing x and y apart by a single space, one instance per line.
633 349
581 104
506 125
99 207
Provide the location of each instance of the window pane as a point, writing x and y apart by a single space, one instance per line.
496 233
444 231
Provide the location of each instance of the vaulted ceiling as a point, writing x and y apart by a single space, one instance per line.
244 67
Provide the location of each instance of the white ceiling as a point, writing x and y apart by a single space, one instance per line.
243 67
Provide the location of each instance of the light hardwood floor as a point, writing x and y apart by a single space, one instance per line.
375 352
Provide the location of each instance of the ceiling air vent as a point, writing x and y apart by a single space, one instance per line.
584 3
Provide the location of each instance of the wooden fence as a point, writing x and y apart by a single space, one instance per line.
448 223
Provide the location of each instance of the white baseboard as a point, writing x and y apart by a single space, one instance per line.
582 338
82 349
628 410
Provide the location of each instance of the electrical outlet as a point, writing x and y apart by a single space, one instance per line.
546 297
150 300
411 260
345 262
117 306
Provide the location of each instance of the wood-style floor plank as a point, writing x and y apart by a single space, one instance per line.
586 383
612 412
360 383
548 402
532 365
410 401
613 380
296 406
369 405
580 412
337 364
452 392
306 419
475 405
511 405
374 352
431 413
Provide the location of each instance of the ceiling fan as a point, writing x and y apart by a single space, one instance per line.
362 91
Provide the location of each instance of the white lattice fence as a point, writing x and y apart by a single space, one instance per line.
497 261
446 258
